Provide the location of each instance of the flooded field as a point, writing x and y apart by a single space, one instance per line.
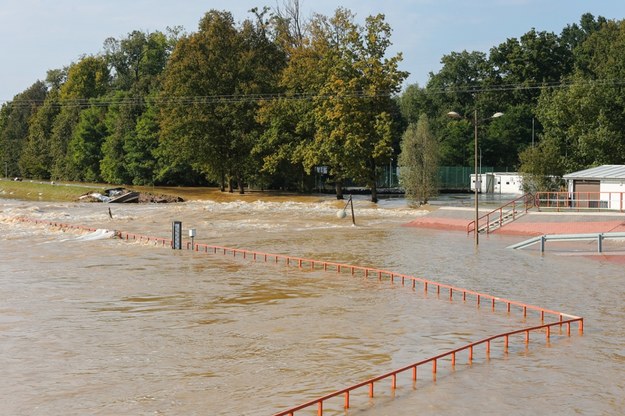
101 326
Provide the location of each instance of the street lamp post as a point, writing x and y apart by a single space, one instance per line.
477 182
455 115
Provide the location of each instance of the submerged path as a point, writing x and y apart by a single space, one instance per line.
553 323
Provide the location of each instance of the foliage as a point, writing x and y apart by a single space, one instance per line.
270 100
84 150
418 162
228 65
15 118
36 158
541 167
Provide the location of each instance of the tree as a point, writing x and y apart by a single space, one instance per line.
286 145
36 158
537 58
418 162
138 60
229 67
84 150
15 117
584 120
120 120
140 152
353 110
541 167
86 79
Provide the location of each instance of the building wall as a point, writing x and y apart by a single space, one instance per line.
499 183
613 192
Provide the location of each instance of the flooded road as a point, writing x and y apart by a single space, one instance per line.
101 326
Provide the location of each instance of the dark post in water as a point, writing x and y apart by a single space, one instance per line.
176 235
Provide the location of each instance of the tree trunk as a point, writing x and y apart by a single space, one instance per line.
240 183
339 189
374 193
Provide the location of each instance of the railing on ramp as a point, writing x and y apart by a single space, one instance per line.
569 237
503 215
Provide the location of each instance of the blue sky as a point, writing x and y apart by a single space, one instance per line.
38 35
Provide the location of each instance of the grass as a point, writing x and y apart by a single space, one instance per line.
35 190
45 191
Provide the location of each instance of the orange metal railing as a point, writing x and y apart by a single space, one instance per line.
497 216
434 361
454 293
581 201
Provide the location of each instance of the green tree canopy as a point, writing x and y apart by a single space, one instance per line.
418 162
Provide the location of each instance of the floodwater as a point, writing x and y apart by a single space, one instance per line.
99 326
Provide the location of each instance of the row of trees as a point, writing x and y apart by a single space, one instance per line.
562 97
268 100
264 101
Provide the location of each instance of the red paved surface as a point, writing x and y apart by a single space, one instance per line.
563 227
440 223
534 224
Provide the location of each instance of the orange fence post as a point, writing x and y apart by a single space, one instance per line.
548 333
371 389
346 404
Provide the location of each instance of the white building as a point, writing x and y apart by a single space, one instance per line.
600 187
498 183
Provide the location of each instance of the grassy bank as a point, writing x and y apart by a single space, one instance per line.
44 191
70 191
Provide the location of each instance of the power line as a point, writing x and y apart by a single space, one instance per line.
240 98
197 99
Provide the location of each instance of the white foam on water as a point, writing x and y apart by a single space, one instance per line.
99 234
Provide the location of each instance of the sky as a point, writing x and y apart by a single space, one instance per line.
39 35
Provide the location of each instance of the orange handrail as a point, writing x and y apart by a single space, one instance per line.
576 201
528 201
434 360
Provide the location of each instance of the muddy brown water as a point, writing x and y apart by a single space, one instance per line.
107 327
